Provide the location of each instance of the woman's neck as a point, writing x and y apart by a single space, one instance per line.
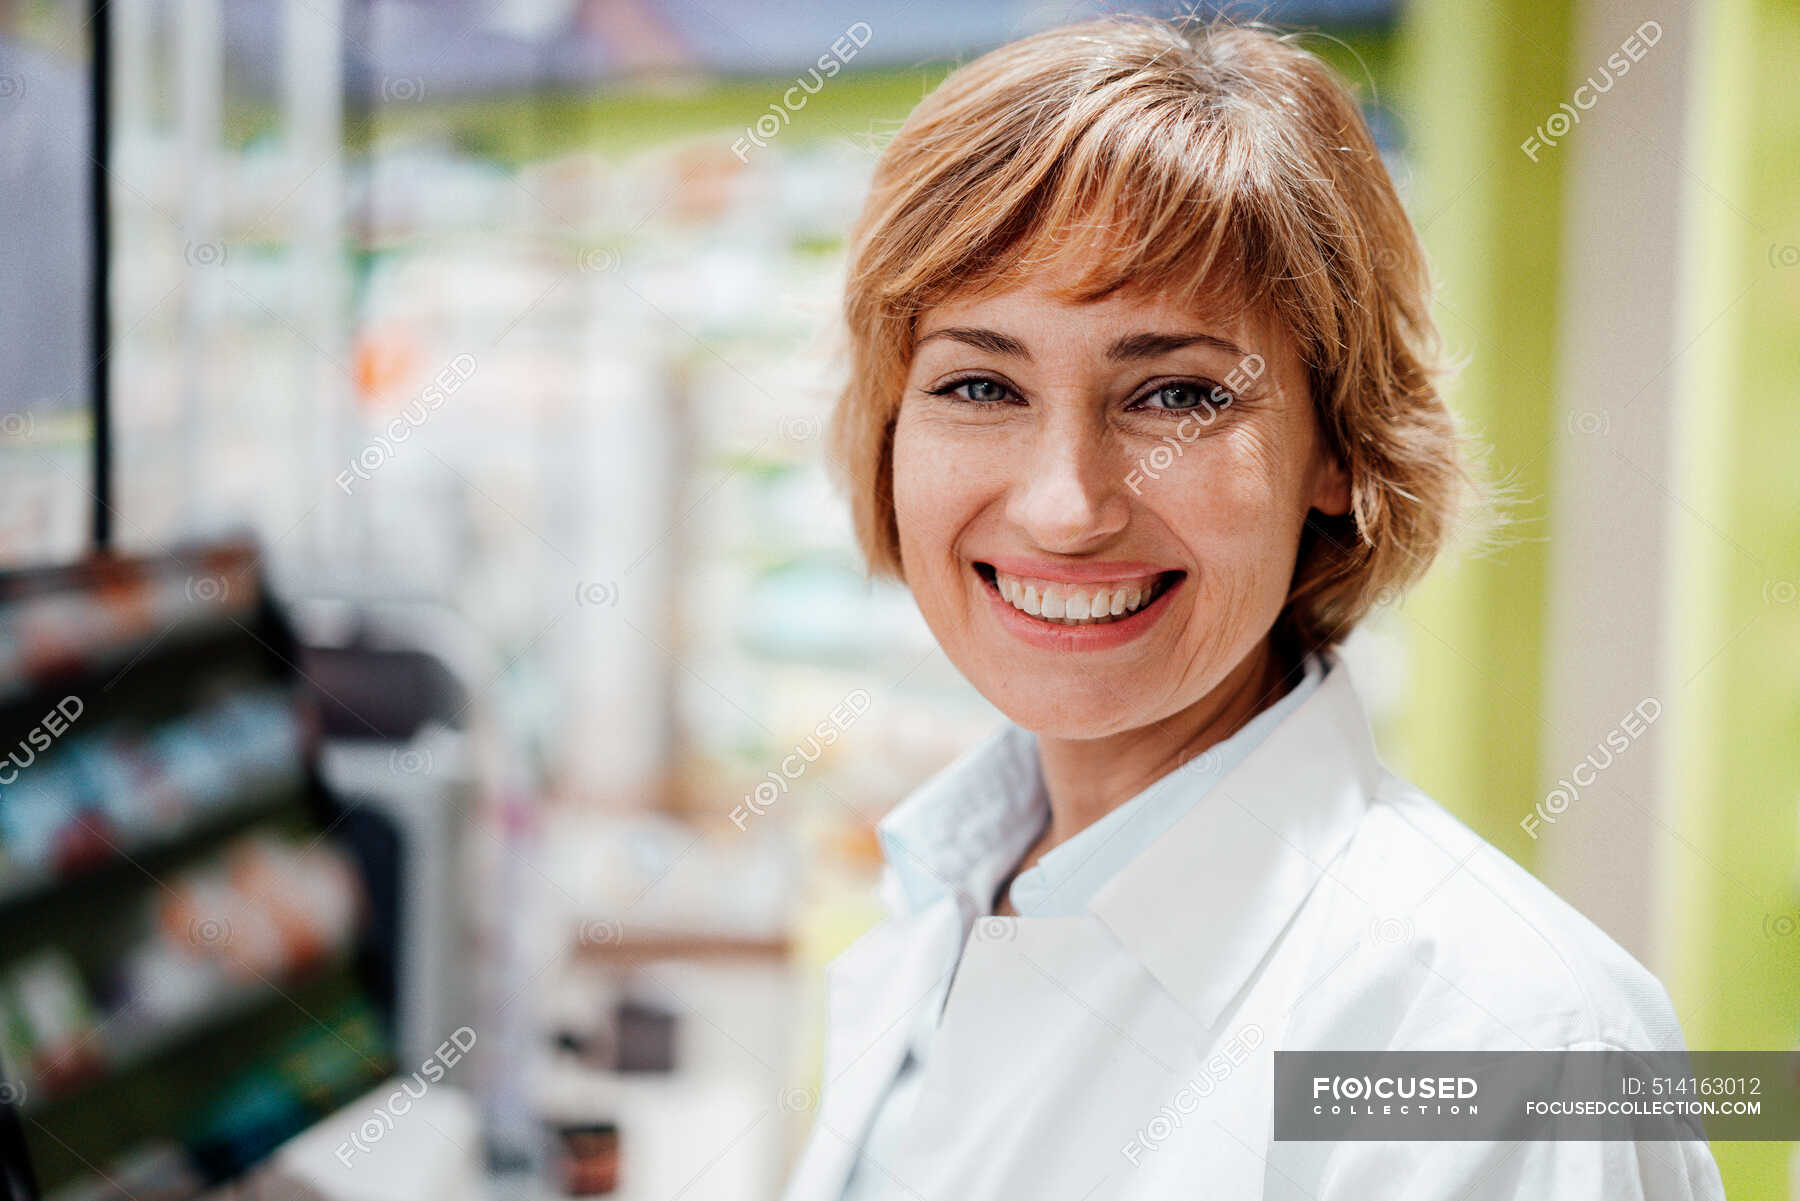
1088 778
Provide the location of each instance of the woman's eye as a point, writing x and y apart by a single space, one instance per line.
981 391
1177 396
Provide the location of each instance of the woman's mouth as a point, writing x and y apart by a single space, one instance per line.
1061 603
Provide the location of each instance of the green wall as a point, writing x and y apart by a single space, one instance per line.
1733 906
1476 80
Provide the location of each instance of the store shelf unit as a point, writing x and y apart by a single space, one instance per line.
178 932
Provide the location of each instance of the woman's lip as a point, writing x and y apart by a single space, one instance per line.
1120 571
1049 635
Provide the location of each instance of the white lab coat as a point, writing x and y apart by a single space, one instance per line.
1309 901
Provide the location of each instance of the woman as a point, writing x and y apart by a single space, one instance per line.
1143 411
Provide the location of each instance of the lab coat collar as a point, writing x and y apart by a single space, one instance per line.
961 832
1202 905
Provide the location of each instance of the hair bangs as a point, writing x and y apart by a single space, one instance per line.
1152 196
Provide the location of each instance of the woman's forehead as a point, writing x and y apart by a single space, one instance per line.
1044 309
1087 273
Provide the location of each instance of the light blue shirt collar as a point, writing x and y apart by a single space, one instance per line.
961 832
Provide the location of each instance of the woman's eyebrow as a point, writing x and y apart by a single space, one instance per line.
981 339
1149 346
1132 346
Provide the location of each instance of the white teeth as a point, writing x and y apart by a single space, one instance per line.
1074 604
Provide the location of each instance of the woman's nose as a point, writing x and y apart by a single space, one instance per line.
1066 498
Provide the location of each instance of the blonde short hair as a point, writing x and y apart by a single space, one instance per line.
1175 158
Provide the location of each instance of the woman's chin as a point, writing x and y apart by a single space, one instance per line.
1069 708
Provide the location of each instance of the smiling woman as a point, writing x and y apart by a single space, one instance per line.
1010 472
1143 409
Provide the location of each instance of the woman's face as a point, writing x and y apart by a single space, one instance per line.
1100 503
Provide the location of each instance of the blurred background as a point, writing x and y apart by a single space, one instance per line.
444 715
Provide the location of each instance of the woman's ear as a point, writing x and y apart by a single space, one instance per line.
1331 486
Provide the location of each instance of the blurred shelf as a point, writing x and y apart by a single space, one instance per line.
81 626
100 667
138 1045
21 885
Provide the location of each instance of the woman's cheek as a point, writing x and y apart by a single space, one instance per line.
928 504
913 494
942 475
1222 494
1229 508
